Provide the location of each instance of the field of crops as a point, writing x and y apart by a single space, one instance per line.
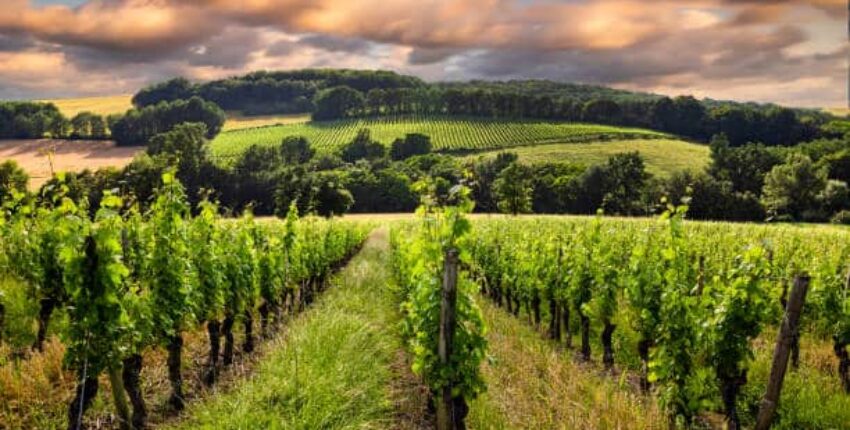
471 134
106 105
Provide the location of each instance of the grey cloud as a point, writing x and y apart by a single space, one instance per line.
336 44
422 56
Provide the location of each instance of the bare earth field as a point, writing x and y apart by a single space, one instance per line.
68 155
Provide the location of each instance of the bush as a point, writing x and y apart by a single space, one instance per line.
363 147
12 177
412 144
338 102
842 218
296 150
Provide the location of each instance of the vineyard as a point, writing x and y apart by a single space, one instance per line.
703 321
446 133
119 287
682 306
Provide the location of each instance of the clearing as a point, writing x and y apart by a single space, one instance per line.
67 155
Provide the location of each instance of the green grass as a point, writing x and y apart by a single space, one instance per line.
662 156
456 134
333 367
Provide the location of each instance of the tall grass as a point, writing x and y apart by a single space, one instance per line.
334 367
534 384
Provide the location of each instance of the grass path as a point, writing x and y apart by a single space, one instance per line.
338 366
532 384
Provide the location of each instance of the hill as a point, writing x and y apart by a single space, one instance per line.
447 134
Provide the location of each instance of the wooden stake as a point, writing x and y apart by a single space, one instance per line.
787 331
445 407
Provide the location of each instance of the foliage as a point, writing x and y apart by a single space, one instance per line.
412 144
87 125
338 102
172 276
12 179
94 280
138 126
512 189
418 259
296 150
363 147
792 188
31 120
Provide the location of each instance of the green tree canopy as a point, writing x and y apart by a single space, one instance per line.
338 102
792 188
512 189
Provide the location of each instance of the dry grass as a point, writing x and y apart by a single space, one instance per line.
838 111
35 390
533 384
106 105
68 155
236 121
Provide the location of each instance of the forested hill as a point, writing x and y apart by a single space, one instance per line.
331 94
558 90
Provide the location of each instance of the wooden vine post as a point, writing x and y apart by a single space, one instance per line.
2 320
787 333
445 407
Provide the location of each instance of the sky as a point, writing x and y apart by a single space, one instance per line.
791 52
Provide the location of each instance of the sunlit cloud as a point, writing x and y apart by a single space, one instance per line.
788 51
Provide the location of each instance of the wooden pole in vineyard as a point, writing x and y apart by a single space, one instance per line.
445 408
790 325
2 320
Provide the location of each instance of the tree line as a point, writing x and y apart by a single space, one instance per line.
265 92
684 116
753 182
31 120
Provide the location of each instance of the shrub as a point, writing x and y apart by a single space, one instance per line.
842 218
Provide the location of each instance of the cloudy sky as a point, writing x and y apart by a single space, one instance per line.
792 52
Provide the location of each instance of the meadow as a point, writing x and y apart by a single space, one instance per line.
662 156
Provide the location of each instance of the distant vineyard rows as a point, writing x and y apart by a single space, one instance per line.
447 134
